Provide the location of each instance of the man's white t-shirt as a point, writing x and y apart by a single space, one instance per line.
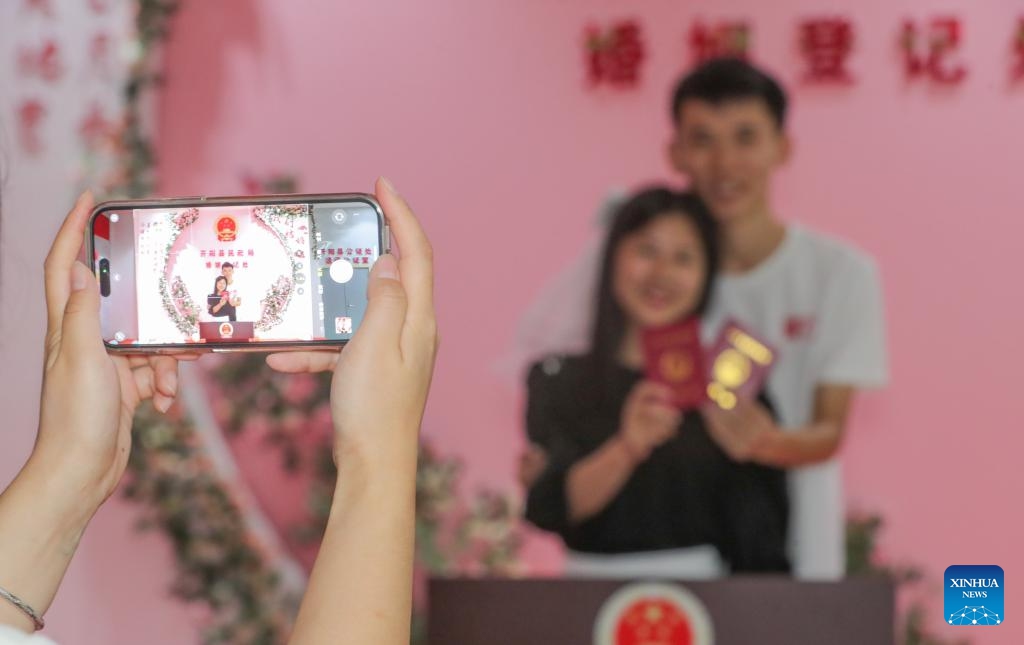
238 289
818 301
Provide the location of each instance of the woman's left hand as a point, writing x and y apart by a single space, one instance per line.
745 432
89 397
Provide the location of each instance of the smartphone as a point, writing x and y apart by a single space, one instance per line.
229 274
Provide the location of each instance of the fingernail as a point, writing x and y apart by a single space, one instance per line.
162 405
387 184
171 381
386 267
80 276
86 195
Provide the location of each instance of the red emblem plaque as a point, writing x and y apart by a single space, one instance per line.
653 614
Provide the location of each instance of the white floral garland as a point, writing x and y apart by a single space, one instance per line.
278 220
177 301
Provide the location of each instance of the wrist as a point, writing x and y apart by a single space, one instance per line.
768 447
635 454
368 468
59 497
41 526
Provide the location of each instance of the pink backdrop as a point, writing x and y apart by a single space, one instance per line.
479 113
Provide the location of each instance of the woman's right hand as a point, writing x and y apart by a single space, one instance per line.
648 419
531 465
361 585
382 377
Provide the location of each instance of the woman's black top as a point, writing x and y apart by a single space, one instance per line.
688 493
227 310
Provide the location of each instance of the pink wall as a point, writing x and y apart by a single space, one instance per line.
478 112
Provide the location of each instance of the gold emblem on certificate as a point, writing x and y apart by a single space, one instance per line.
739 366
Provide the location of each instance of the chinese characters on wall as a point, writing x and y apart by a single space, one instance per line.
928 47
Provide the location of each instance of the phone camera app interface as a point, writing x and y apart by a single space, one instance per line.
235 274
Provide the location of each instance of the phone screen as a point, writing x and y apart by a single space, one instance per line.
231 275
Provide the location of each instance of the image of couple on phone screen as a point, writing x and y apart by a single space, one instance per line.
226 297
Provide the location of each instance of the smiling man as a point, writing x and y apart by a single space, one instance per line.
816 299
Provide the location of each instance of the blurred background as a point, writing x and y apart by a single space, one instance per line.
486 117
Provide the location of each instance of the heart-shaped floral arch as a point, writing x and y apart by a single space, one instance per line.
279 222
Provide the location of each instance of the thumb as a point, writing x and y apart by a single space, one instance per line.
81 327
386 304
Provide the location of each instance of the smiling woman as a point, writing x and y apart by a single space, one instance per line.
632 485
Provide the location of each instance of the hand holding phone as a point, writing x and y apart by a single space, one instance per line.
378 392
89 397
382 377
